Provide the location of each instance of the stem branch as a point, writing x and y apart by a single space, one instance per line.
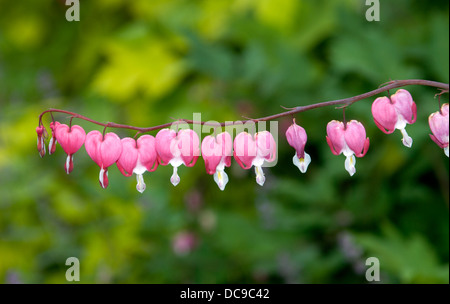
346 102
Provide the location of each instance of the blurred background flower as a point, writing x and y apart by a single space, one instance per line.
143 62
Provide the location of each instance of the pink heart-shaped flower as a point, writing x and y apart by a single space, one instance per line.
335 136
244 150
104 151
146 145
129 156
267 147
215 150
355 137
405 105
188 144
140 153
71 139
384 114
163 145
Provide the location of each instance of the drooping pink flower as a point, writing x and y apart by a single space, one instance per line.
177 149
40 140
137 157
71 139
53 141
104 151
395 113
253 151
350 140
216 152
438 122
296 137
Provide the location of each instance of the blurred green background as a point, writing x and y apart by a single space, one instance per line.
146 62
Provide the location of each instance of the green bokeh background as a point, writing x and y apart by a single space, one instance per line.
146 63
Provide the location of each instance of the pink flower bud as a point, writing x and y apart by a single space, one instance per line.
53 141
216 152
177 149
253 151
104 151
40 140
438 122
71 139
350 140
296 137
395 113
137 157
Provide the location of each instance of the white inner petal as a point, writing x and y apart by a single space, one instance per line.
407 140
68 163
260 178
102 171
140 186
401 122
139 169
221 165
50 146
302 163
175 179
258 161
221 178
176 161
350 162
446 151
346 150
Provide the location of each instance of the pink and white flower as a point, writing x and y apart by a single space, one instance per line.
71 139
348 139
438 122
177 149
53 141
137 157
216 152
395 113
296 137
254 151
104 151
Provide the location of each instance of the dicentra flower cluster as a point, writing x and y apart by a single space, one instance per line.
182 147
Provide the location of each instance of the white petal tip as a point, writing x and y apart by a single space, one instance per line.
352 172
350 163
260 178
141 190
407 144
406 140
446 151
175 179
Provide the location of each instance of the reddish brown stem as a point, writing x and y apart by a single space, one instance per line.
346 102
345 121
